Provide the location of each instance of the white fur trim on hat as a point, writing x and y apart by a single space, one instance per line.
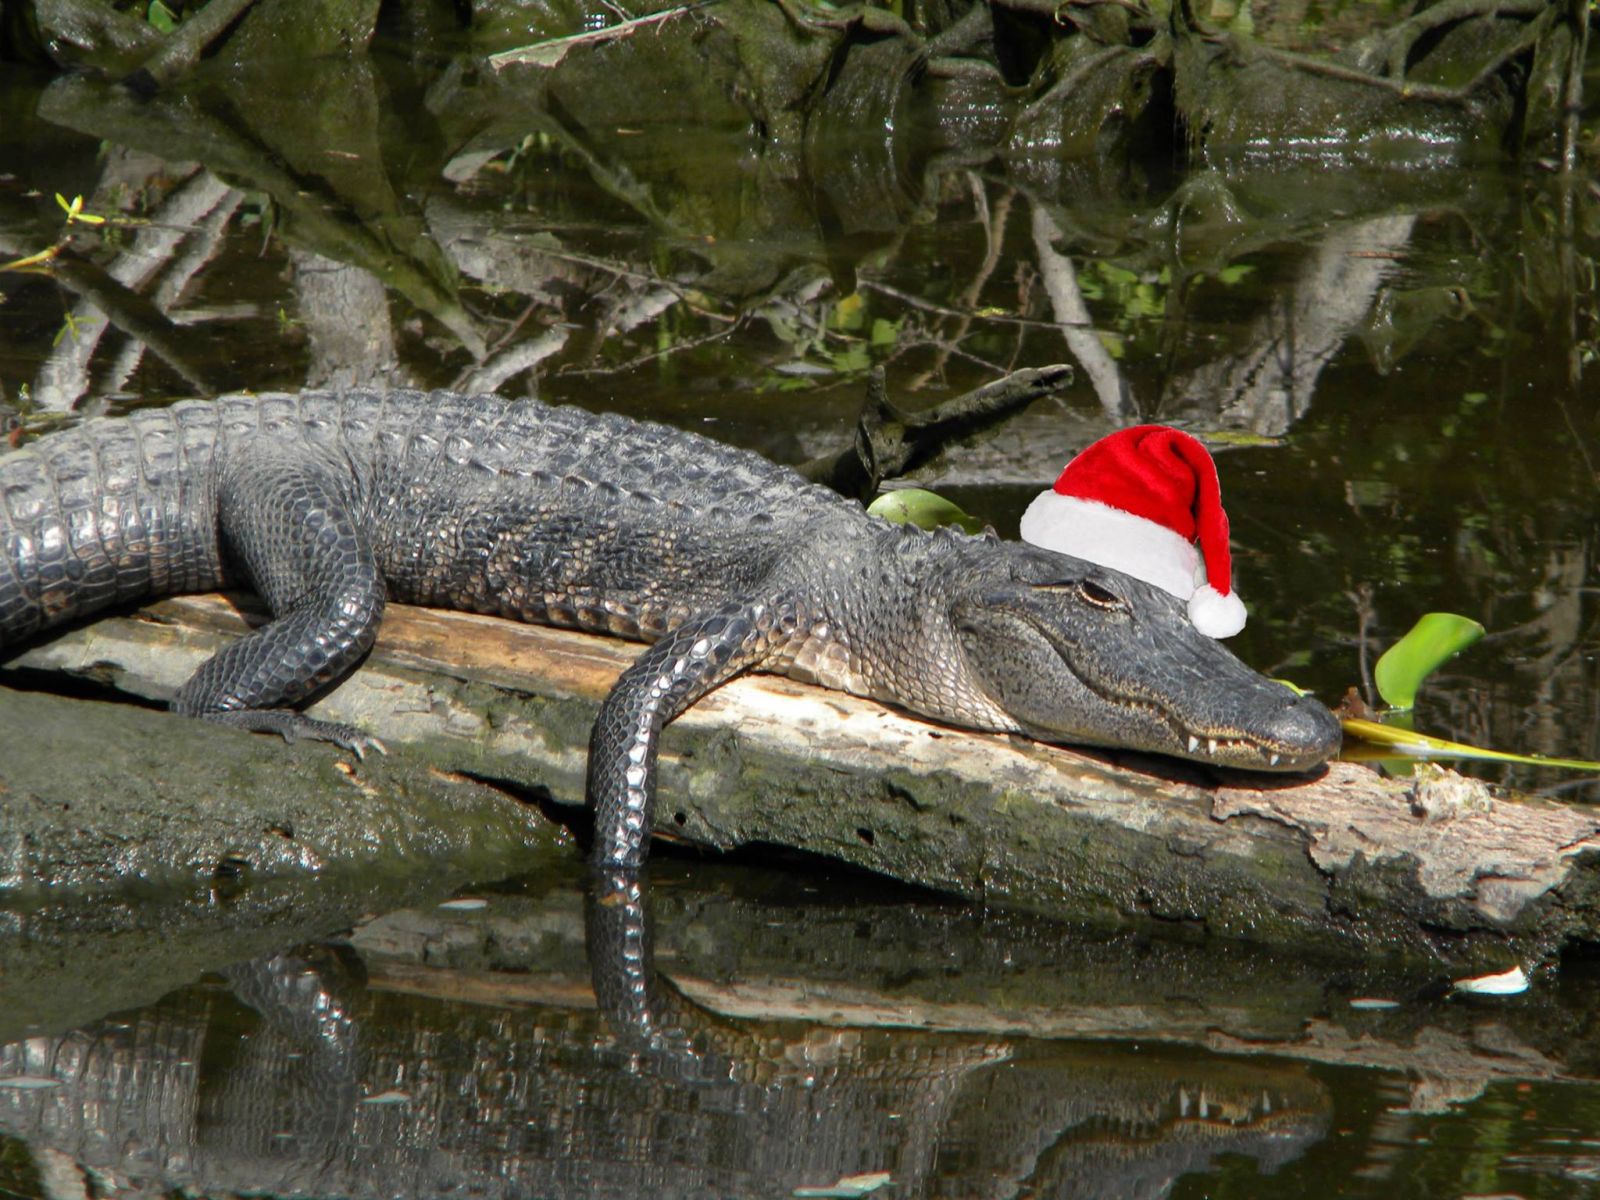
1116 539
1214 614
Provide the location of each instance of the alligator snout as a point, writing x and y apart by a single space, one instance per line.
1298 735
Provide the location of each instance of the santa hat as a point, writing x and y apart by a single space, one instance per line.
1136 501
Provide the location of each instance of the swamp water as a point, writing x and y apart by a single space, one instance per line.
1395 366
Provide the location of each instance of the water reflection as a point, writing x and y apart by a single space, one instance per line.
388 1065
735 1032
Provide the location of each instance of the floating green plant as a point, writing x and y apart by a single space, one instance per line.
924 509
1432 641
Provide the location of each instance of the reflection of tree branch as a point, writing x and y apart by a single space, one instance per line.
345 310
196 251
943 310
500 366
181 48
323 218
1054 8
994 229
131 313
64 377
1268 385
889 443
1058 92
973 27
1072 315
676 348
1572 87
874 20
97 28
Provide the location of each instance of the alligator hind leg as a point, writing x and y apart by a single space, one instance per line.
287 519
705 651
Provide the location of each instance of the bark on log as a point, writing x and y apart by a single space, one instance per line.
1346 863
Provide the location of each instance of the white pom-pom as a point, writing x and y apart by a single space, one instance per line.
1214 614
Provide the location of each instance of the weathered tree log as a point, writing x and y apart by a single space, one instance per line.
113 798
1346 863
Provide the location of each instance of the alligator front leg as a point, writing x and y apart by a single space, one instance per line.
287 519
703 652
646 1011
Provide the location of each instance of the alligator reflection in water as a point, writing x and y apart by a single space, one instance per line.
297 1077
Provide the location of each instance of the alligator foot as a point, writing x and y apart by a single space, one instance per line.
292 726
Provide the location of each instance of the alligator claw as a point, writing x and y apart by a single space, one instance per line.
292 726
360 743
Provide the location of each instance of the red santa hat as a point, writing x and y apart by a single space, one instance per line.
1136 501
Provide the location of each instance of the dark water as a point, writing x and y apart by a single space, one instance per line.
1396 371
489 1050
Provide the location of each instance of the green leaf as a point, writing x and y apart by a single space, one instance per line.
924 509
161 17
1432 640
74 211
1421 745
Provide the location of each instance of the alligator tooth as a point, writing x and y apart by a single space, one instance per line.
1211 745
1272 759
1183 1102
1194 743
1204 1107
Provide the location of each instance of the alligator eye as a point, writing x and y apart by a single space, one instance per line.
1098 596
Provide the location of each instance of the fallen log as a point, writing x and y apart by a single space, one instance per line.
1346 862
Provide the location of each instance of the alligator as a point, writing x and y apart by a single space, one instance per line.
328 504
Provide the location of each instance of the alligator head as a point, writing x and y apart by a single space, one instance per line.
1074 652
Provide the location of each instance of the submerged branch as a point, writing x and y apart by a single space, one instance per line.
182 48
891 443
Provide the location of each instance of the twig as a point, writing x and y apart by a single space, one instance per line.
134 315
978 315
496 368
994 234
1361 597
676 348
1067 305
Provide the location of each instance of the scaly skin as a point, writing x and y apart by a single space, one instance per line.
330 504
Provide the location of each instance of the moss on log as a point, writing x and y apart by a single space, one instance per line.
99 798
1346 863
